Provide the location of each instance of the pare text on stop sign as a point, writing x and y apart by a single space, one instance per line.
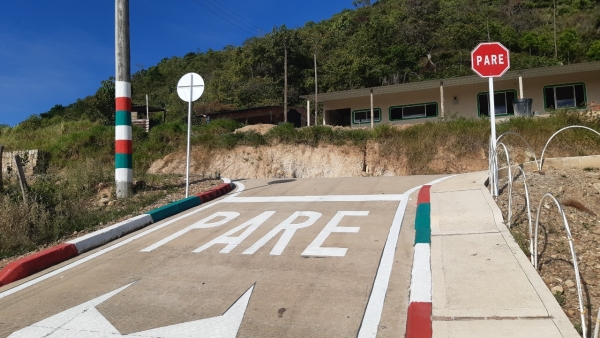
490 60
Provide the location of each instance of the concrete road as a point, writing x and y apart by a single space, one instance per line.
278 258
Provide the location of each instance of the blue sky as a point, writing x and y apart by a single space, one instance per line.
54 52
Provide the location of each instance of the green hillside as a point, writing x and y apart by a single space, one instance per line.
386 42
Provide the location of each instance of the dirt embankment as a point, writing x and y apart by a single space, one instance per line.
303 161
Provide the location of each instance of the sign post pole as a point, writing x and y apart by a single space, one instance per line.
493 127
189 136
491 59
186 92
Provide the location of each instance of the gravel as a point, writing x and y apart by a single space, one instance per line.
577 191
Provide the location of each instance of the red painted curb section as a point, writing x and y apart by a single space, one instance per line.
215 192
418 323
424 194
29 265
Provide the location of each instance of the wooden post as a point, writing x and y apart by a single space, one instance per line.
442 99
22 180
147 115
285 89
372 122
308 113
317 95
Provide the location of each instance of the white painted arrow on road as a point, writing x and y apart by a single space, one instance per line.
86 321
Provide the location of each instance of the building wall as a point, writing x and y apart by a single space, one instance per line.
462 100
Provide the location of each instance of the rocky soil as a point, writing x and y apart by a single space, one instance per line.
578 191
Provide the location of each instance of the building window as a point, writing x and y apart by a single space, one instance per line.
503 103
414 111
364 116
565 96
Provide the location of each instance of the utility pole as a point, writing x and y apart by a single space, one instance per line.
317 95
285 88
123 135
555 47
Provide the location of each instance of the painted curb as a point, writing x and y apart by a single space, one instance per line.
173 208
103 236
37 262
418 322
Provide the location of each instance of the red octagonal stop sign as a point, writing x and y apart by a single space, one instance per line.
490 59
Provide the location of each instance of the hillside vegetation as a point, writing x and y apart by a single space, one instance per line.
378 43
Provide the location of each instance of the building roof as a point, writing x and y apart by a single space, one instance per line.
456 81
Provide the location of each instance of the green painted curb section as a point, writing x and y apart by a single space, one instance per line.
123 161
423 224
123 118
173 208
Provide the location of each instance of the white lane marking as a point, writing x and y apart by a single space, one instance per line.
420 284
86 321
233 242
315 249
201 224
102 252
370 322
288 228
326 198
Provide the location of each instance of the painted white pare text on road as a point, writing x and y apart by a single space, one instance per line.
286 230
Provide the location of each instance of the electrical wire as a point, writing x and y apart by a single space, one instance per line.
248 23
222 17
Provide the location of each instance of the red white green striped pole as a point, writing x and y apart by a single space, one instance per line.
123 135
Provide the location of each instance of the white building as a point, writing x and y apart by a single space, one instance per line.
574 86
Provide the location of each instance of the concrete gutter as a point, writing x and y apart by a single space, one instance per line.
39 261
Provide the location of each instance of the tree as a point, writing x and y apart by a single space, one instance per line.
593 53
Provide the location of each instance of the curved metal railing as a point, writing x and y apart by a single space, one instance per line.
541 163
522 138
519 169
573 254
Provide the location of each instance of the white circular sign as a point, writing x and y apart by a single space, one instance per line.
190 87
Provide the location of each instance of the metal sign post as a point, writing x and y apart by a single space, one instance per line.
491 59
189 88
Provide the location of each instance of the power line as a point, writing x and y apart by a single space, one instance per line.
248 23
217 14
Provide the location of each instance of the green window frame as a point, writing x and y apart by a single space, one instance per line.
363 116
502 103
564 96
413 111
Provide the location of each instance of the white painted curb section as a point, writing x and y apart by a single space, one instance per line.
420 284
103 236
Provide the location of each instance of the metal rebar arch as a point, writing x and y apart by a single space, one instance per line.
522 138
573 254
541 163
528 209
509 178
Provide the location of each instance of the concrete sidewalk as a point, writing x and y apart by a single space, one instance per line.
483 284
